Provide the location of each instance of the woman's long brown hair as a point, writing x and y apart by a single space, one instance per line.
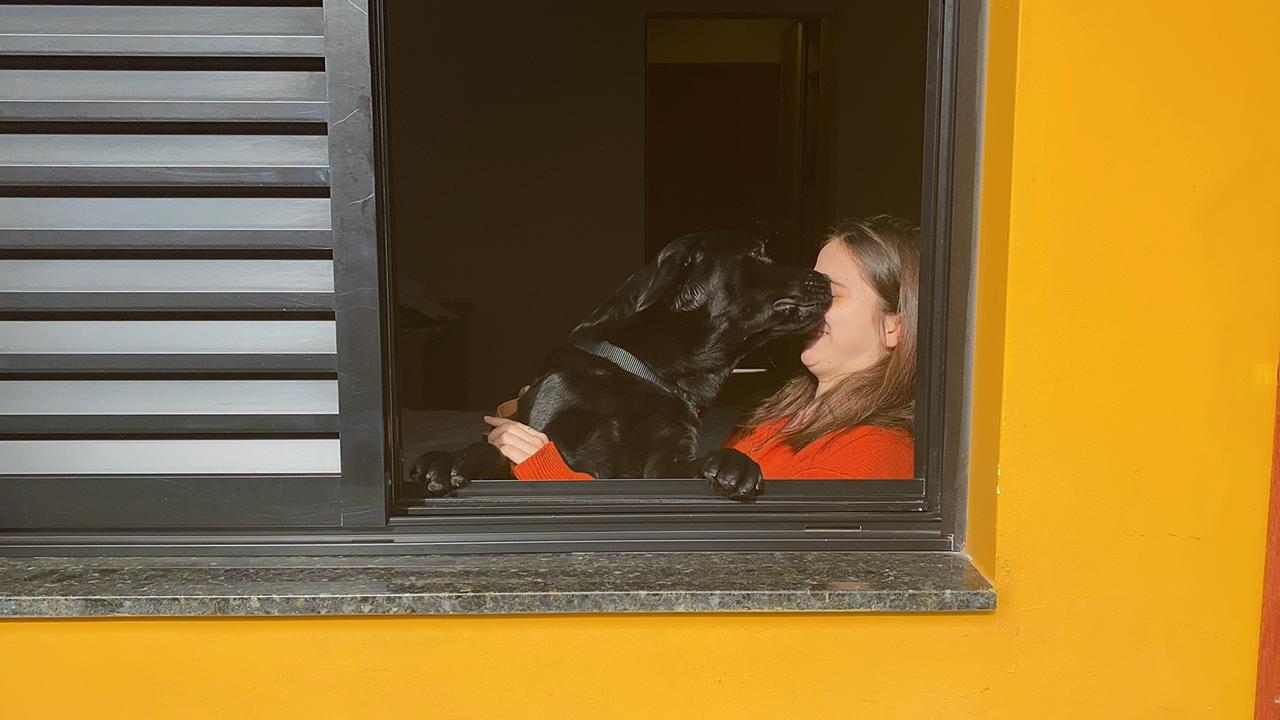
887 251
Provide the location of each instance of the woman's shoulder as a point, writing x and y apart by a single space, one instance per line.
873 434
864 451
864 439
755 433
857 436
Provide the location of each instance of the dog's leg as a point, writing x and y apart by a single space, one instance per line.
437 474
730 472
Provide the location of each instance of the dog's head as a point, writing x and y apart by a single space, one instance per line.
722 286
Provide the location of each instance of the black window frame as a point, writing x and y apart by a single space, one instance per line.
920 514
608 515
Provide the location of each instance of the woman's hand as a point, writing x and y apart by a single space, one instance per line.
517 441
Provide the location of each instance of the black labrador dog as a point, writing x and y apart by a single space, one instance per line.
624 398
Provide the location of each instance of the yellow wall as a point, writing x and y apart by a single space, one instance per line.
1132 367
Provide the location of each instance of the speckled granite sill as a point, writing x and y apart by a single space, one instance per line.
492 584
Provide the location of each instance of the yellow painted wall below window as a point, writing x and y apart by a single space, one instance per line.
1130 327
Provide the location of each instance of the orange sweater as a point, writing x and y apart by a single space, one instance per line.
863 453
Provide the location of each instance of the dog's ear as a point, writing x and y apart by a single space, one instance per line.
667 275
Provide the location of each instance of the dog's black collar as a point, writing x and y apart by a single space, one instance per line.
608 351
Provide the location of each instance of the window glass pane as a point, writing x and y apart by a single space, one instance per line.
539 159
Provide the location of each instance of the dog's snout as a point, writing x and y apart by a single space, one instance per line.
818 284
811 292
816 278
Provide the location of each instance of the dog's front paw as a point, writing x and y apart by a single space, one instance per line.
733 474
436 474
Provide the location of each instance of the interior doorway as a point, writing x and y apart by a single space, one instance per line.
735 130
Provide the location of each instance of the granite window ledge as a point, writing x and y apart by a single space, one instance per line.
71 587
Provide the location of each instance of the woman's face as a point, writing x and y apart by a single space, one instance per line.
854 335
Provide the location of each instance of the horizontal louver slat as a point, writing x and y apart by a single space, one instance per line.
150 276
159 425
160 160
168 397
107 365
192 95
169 31
161 214
92 240
142 457
81 337
175 302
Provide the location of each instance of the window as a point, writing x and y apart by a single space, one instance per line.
215 328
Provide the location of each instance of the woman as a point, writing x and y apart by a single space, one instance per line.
851 414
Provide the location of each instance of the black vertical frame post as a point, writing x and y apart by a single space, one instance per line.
935 228
961 296
356 269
